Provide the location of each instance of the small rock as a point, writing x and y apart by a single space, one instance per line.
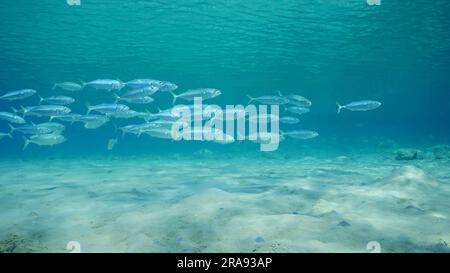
259 239
343 224
441 151
18 244
408 154
33 214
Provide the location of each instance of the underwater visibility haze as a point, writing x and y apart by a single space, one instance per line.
357 95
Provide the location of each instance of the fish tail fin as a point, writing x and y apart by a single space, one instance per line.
51 118
83 84
41 99
27 142
24 110
54 86
174 97
116 97
123 132
122 84
279 93
14 110
339 107
149 115
12 129
250 99
88 106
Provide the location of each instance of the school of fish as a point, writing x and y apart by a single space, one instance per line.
138 91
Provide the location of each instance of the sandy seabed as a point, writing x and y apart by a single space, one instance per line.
240 204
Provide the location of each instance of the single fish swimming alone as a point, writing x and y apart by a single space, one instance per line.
105 84
204 93
301 134
44 140
289 120
45 110
69 86
12 118
18 95
298 110
364 105
57 100
269 100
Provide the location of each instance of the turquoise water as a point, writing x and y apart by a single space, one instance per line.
199 197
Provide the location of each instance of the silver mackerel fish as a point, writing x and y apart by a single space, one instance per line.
108 108
18 95
280 100
69 86
12 118
204 93
45 110
44 140
105 84
363 105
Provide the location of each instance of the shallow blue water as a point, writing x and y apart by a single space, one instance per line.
329 51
